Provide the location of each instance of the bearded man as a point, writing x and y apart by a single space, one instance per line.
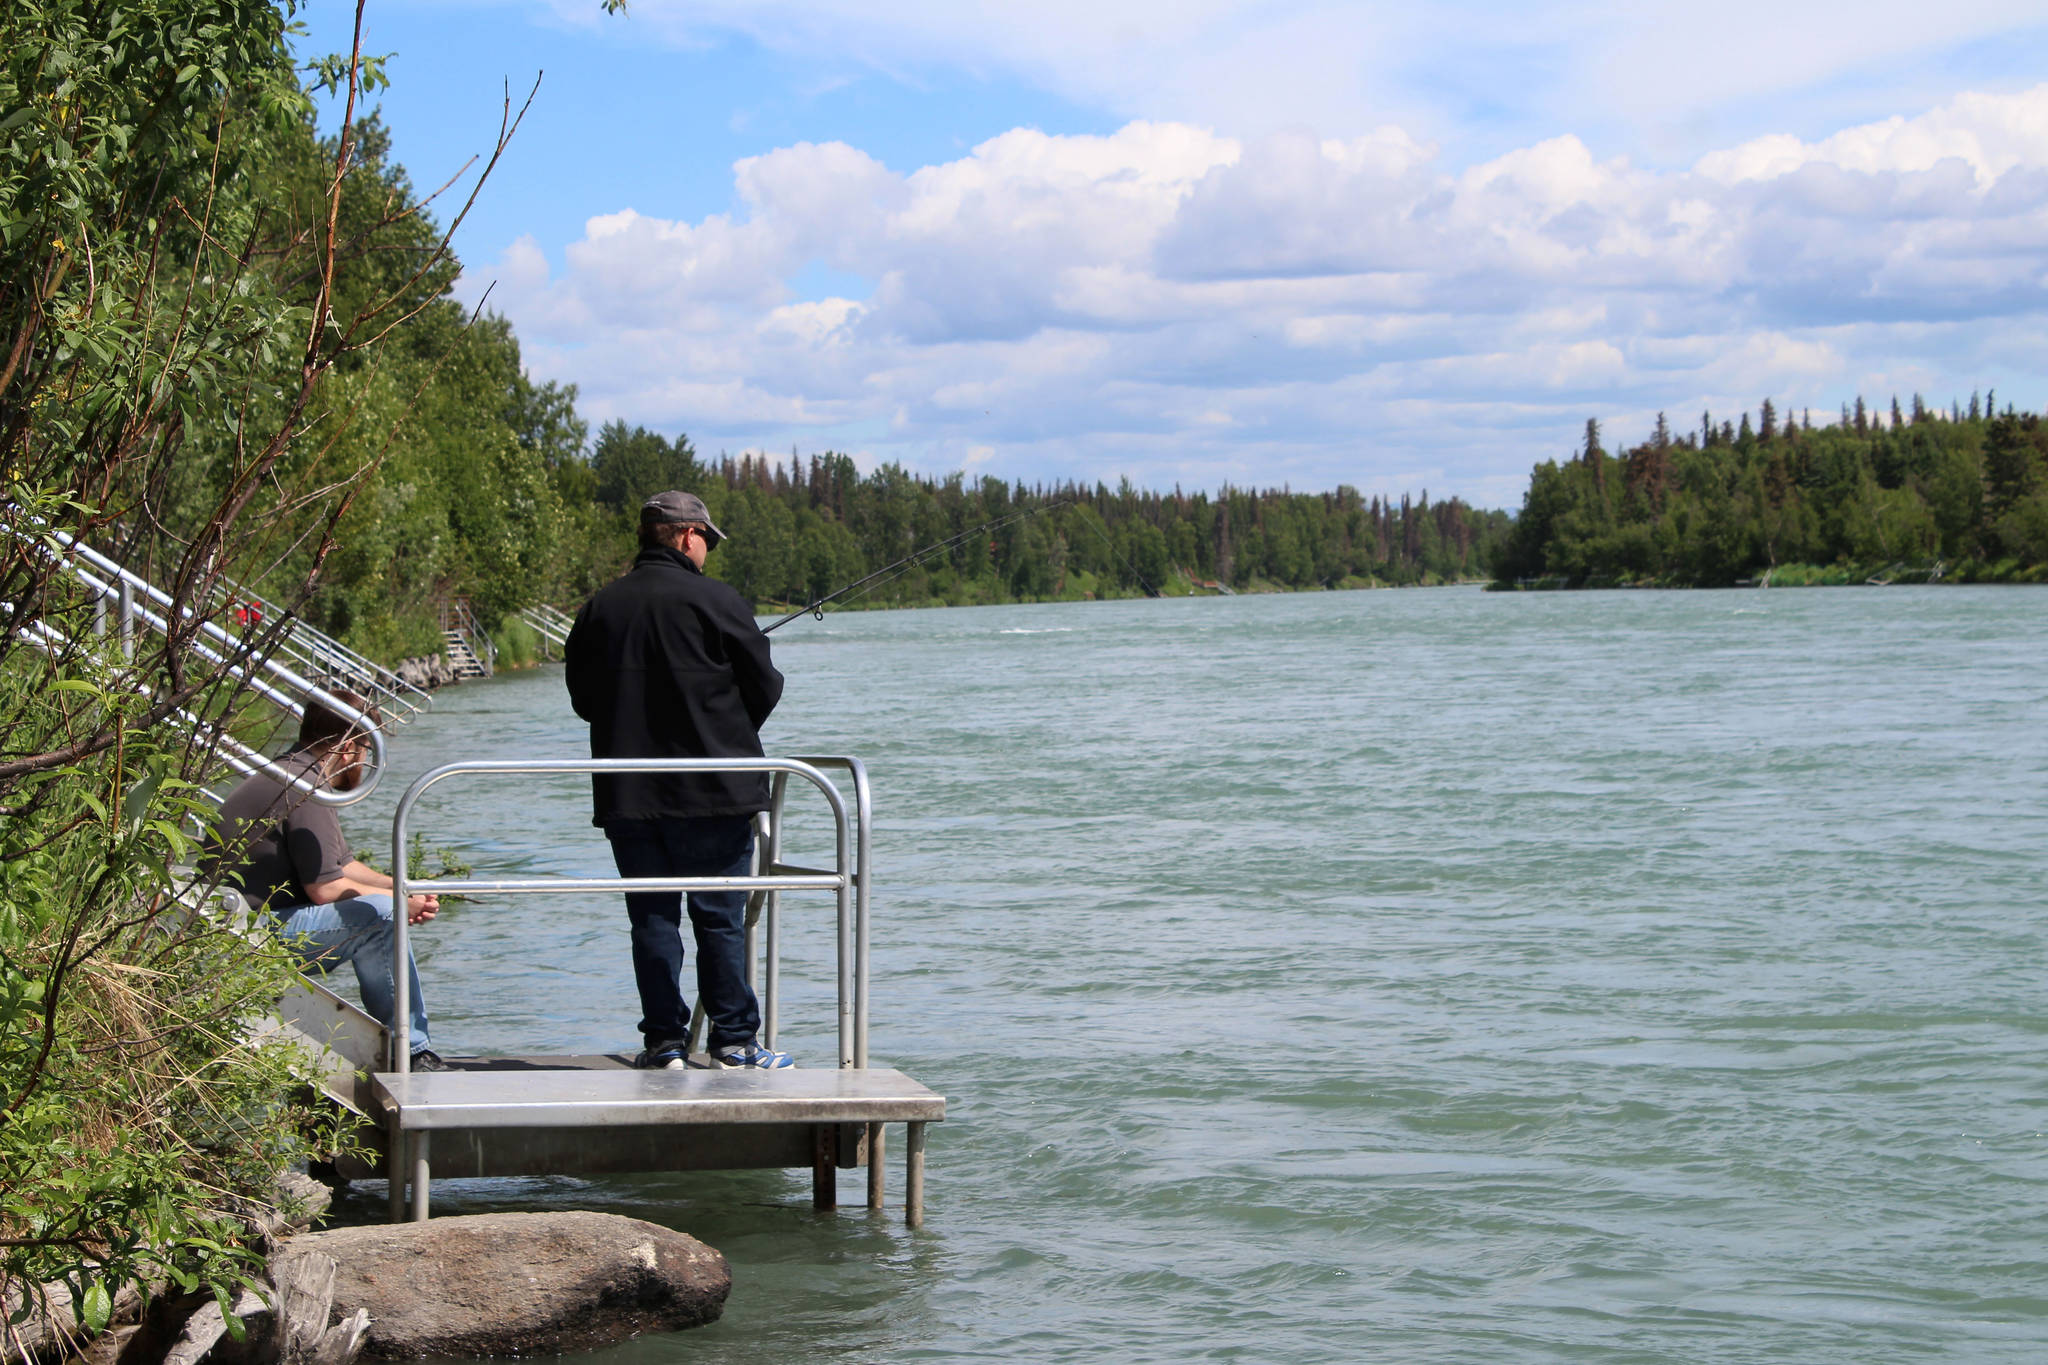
286 853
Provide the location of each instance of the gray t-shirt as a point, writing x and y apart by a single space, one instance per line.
274 841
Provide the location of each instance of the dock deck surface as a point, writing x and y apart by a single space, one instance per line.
491 1116
617 1096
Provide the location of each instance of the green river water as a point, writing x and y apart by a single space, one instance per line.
1405 976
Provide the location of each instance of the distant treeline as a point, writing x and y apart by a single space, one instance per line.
1954 495
804 528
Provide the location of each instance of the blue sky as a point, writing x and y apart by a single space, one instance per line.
1254 241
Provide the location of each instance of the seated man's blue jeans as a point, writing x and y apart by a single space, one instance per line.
357 931
701 846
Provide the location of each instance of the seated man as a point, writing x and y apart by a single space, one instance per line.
287 854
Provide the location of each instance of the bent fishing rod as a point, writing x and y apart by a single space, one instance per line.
816 607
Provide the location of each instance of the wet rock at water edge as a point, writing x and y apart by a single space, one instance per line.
427 672
502 1284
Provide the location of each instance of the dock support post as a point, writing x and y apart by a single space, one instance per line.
421 1178
913 1175
877 1172
394 1167
825 1167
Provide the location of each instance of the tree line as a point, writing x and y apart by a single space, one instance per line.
1913 493
805 527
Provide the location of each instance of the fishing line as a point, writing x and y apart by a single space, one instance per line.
889 573
1144 582
902 566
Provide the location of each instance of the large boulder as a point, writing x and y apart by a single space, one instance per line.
518 1284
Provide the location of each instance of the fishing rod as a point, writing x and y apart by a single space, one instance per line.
816 606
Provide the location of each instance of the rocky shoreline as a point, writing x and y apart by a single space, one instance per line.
427 671
495 1284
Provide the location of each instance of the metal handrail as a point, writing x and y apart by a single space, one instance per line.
316 649
315 644
864 824
237 755
323 654
551 625
235 663
849 879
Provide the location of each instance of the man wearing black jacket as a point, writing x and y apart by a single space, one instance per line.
667 663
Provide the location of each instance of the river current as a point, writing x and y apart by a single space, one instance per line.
1407 976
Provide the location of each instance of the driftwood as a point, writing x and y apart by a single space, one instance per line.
285 1324
205 1328
138 1325
51 1329
305 1302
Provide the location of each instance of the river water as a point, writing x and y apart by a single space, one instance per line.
1417 976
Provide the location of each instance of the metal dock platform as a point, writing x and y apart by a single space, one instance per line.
598 1116
504 1116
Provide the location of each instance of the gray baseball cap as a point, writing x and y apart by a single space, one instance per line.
673 506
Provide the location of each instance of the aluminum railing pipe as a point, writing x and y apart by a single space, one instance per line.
864 825
403 886
237 669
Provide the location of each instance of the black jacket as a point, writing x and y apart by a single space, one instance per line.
666 663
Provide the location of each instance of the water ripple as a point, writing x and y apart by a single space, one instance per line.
1441 976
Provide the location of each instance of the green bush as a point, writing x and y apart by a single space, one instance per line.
141 1115
170 314
519 645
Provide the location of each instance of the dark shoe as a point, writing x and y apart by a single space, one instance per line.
671 1056
426 1059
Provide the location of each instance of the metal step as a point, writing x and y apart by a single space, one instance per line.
604 1093
461 657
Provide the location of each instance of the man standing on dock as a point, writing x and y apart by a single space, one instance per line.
288 855
665 662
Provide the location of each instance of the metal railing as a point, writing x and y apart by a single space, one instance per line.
848 879
220 648
550 623
317 655
321 655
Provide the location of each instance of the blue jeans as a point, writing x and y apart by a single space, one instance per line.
356 931
702 846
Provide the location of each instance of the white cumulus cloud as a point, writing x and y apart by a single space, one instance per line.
1175 305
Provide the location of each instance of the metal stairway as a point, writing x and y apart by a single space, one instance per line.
343 1043
462 658
470 651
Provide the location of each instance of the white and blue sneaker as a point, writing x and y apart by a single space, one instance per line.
741 1056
